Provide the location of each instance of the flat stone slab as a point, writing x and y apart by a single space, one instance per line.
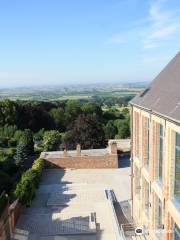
76 196
54 224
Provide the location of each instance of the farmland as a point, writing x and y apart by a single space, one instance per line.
54 93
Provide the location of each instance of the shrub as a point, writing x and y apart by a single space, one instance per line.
18 135
38 136
12 142
26 188
8 131
51 140
3 141
38 167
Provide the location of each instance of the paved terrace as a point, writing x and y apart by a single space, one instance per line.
66 199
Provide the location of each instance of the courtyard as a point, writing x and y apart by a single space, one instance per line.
67 202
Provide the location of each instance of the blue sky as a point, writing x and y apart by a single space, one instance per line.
46 42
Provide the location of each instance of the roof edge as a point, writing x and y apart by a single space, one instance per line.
157 113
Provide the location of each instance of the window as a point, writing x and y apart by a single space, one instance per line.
176 232
158 219
136 133
146 140
177 168
137 182
146 197
160 153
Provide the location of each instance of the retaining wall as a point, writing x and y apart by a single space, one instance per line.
85 162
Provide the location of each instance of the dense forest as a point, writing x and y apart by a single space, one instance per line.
29 127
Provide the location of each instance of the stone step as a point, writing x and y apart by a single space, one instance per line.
20 234
75 237
55 224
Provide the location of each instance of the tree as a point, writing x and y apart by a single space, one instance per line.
34 117
7 165
72 111
8 131
8 112
27 141
68 140
6 182
39 135
87 131
92 108
125 111
21 155
57 115
51 140
110 130
123 127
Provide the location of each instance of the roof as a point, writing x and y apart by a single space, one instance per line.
73 153
162 96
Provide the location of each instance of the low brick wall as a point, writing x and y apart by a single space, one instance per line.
9 219
5 226
88 162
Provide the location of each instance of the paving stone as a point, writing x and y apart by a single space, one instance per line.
83 192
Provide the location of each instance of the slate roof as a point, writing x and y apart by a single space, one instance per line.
162 96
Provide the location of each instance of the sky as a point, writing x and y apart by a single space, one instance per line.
49 42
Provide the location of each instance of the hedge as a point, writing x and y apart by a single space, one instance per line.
26 188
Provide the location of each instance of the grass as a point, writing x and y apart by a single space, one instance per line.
74 97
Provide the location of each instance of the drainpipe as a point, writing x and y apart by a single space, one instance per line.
132 159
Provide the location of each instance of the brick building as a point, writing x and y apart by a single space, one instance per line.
156 155
91 158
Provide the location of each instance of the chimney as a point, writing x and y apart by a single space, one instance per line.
112 147
78 149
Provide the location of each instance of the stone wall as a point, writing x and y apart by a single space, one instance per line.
88 162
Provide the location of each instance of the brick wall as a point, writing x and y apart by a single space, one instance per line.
9 219
88 162
164 191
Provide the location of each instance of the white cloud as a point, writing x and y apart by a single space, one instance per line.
149 45
163 32
163 25
118 39
154 30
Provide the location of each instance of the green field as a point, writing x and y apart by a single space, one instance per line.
70 92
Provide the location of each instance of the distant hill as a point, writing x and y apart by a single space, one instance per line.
53 93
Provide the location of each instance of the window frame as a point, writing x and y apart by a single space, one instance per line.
177 148
176 231
160 153
159 217
146 196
